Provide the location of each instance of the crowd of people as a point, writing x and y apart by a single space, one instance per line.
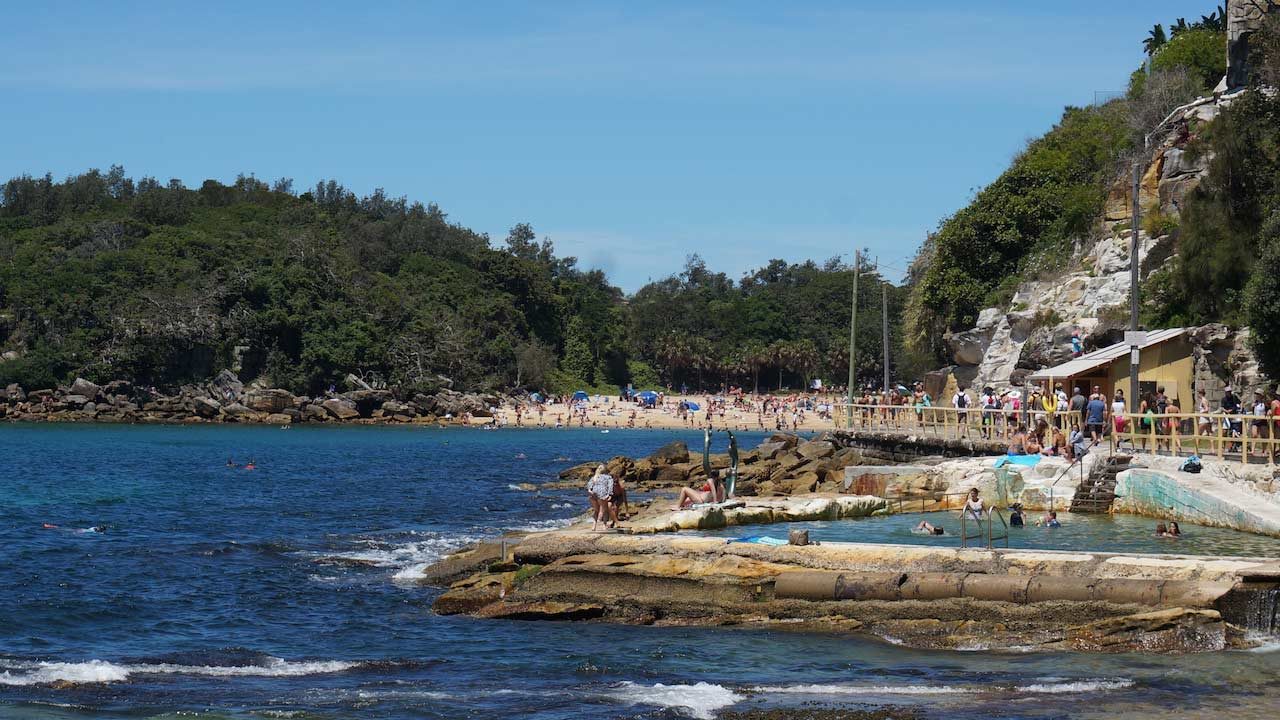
1051 421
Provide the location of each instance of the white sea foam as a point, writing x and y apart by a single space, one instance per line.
837 689
1075 686
540 525
700 700
1046 686
101 671
93 671
561 506
408 559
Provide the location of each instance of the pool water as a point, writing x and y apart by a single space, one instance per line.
1101 533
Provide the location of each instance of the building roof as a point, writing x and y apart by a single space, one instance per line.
1098 358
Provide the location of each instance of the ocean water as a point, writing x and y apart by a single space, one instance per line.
287 591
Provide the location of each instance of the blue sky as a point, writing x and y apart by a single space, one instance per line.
631 134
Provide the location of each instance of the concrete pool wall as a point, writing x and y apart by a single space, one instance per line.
1200 498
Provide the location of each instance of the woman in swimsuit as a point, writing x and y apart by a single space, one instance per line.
712 491
599 492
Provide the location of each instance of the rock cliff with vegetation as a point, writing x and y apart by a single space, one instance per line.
1053 231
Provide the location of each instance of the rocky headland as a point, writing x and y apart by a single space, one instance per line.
226 399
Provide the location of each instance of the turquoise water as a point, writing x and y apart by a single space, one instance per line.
288 591
1105 533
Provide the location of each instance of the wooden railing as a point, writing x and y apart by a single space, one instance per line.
1205 434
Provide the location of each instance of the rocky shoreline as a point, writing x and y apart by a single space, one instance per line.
225 399
925 597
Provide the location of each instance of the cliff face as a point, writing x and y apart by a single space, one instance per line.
1091 297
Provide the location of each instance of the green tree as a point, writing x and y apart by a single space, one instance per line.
1155 40
1202 51
1262 299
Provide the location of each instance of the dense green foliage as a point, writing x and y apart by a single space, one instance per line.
1262 298
779 326
161 284
109 278
1051 194
1202 51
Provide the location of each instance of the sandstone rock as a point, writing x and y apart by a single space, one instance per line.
90 408
75 401
206 408
671 475
315 412
268 401
237 411
670 454
1175 630
85 388
787 439
226 387
341 409
278 419
816 449
14 393
770 450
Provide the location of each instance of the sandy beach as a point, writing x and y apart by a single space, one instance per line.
607 412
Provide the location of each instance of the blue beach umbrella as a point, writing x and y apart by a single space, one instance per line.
580 396
648 397
691 405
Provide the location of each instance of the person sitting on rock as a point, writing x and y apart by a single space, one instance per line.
1018 443
712 491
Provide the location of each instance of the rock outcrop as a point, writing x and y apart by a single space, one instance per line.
225 398
929 597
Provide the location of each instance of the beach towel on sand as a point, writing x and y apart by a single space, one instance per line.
1023 460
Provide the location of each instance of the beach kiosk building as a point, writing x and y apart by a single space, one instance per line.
1165 360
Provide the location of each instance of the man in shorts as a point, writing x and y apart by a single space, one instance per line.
1095 417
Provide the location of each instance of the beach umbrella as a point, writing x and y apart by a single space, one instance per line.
691 405
536 397
580 396
648 397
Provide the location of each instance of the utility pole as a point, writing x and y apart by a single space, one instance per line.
884 328
1133 336
853 330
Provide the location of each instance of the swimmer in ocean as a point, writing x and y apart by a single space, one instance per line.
231 463
250 465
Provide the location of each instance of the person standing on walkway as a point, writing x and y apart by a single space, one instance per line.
1095 414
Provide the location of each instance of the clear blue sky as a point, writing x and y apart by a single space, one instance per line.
631 134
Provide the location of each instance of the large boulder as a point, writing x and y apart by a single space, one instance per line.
14 393
816 449
85 388
279 419
206 407
670 454
237 411
226 387
272 400
341 408
368 401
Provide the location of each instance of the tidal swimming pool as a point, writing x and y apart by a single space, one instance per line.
1099 533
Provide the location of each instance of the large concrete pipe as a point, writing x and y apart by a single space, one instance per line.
1130 591
806 585
931 586
1044 588
1000 588
869 586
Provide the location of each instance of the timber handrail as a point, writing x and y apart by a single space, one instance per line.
1226 436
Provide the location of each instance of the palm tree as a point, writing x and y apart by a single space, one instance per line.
779 353
1155 39
756 356
1215 21
1180 26
672 353
804 358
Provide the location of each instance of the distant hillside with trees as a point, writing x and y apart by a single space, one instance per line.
107 277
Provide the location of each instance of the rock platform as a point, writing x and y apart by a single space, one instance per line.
929 597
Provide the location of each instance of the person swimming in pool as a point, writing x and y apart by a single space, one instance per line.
1050 520
927 528
1015 515
1174 530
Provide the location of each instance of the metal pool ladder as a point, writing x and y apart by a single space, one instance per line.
992 513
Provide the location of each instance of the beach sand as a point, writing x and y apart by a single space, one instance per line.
609 413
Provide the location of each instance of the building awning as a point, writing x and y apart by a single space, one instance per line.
1098 358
